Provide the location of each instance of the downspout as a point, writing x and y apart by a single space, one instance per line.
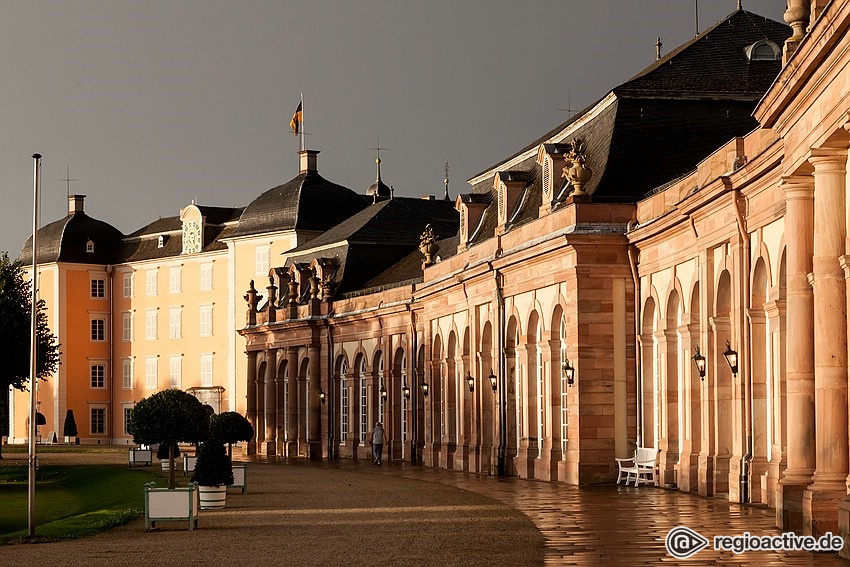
331 389
638 385
112 388
414 395
503 380
744 361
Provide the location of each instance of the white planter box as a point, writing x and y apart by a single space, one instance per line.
140 456
189 464
177 504
240 477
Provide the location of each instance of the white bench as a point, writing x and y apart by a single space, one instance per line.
641 468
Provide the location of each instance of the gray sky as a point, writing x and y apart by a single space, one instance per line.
155 103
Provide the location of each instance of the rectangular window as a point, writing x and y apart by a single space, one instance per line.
127 373
206 320
206 370
174 317
262 260
127 326
98 329
98 287
343 410
206 277
363 400
98 421
174 278
128 284
150 324
98 376
150 282
151 373
175 372
128 419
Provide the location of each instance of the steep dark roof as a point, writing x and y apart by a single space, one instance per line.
65 241
409 268
308 202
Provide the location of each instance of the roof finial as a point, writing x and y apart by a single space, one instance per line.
446 181
658 45
740 4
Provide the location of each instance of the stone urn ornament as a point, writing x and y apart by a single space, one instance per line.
428 246
576 170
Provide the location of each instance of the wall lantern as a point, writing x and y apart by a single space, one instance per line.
406 392
731 358
569 373
470 381
492 378
699 361
322 396
383 393
424 386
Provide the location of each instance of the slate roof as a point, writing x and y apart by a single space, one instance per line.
308 202
65 240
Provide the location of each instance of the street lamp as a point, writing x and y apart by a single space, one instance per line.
470 381
406 392
569 373
492 378
699 361
731 357
424 386
322 396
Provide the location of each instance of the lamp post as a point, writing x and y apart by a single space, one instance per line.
405 390
492 378
31 457
470 381
699 361
569 373
424 386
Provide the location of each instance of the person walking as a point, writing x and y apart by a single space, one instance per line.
377 443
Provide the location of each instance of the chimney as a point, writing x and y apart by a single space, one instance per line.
75 204
308 160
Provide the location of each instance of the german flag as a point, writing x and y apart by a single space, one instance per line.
295 123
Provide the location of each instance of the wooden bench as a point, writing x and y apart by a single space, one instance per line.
641 468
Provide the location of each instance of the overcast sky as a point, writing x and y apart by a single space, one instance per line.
155 103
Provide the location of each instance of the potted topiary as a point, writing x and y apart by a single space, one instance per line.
231 427
164 452
212 473
69 429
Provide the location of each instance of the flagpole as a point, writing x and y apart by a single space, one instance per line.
33 342
302 122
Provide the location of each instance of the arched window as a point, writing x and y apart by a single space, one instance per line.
403 401
286 432
363 400
541 390
564 385
343 401
380 384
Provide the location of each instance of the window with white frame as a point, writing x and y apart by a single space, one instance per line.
206 276
127 278
98 421
151 369
206 320
98 376
343 401
128 419
150 324
127 373
150 282
564 385
286 433
403 405
364 398
206 370
174 279
174 320
127 326
175 372
380 384
262 259
98 329
541 388
98 287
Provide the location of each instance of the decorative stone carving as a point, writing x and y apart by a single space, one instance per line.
576 170
428 246
328 286
314 286
252 298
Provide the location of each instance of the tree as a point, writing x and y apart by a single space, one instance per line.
69 429
15 313
167 418
213 466
230 427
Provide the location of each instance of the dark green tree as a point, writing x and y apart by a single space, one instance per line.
15 313
69 429
167 418
213 466
230 427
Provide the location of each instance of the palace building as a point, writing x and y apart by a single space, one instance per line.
545 322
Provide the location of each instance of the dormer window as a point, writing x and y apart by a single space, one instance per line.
89 246
763 50
160 242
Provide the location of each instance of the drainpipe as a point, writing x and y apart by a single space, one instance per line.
111 378
331 389
744 361
414 396
638 386
503 380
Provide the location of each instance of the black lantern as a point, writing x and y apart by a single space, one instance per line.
424 386
492 378
383 393
699 361
569 373
470 381
406 392
731 358
322 396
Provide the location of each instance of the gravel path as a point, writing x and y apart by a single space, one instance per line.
302 513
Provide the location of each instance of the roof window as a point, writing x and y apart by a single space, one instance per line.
89 246
763 50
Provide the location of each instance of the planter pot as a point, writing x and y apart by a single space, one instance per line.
212 497
163 504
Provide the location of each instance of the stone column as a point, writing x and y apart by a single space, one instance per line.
820 502
689 444
259 387
775 311
552 453
314 403
799 353
760 399
797 16
668 442
292 402
526 403
251 405
270 398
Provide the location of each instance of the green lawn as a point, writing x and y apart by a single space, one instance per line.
71 501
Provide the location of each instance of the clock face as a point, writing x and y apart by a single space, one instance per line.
191 237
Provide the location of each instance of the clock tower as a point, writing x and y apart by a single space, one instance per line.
193 225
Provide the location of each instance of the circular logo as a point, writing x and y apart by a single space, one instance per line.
683 542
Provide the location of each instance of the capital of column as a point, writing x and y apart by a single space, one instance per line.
844 262
828 160
798 187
